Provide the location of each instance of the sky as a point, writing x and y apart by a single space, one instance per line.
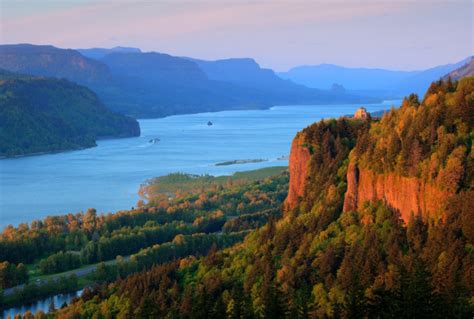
278 34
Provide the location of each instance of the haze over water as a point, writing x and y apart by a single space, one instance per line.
108 176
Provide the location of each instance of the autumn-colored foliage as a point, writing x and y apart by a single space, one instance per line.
317 260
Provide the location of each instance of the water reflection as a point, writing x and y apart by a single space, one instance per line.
43 305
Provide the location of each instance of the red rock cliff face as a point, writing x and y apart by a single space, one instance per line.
406 194
298 166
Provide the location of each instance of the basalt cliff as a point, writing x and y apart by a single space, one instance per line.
414 159
298 167
408 195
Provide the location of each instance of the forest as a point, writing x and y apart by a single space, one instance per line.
319 261
242 253
165 228
41 114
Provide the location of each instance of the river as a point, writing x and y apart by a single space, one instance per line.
107 177
43 305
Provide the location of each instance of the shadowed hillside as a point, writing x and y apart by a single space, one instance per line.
155 84
44 114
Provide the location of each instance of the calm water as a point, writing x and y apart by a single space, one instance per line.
42 305
108 176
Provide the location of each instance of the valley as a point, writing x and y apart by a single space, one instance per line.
236 159
113 171
297 235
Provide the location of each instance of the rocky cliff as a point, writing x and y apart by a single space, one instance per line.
406 194
414 159
298 166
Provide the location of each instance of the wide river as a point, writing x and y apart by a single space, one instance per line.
107 177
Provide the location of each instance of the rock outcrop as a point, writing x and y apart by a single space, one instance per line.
298 166
410 195
406 194
362 114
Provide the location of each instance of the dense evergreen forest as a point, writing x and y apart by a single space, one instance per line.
232 250
44 115
318 261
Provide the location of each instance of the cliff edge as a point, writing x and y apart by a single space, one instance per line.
298 166
414 159
408 195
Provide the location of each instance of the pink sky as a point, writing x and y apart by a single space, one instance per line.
278 34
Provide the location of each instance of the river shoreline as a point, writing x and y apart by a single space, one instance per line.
113 171
42 304
102 138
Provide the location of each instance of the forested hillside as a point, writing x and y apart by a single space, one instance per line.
64 253
320 260
418 157
44 114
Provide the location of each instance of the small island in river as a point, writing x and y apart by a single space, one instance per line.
244 161
154 140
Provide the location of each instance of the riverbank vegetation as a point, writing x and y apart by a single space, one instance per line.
180 184
214 212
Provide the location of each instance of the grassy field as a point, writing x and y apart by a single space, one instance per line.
170 184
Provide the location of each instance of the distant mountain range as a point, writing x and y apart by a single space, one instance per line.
245 72
43 110
154 84
373 82
151 84
40 114
465 70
